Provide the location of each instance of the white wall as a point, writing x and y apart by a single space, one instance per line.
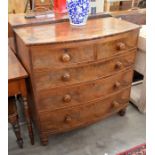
99 4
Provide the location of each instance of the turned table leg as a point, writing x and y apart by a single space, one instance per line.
28 120
16 129
13 119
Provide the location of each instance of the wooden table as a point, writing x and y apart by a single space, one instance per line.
137 16
17 87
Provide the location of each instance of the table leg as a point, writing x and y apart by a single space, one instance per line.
28 120
31 4
120 5
13 119
16 129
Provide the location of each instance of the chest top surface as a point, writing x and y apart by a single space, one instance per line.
64 32
16 70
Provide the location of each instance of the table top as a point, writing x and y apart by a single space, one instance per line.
63 32
18 20
128 12
15 68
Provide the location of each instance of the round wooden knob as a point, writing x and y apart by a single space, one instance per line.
66 57
118 65
67 98
115 104
66 77
121 46
117 84
68 119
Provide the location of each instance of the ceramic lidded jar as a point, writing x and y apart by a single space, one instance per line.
78 11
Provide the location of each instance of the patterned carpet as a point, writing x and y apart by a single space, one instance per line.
138 150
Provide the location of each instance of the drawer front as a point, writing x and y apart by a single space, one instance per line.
117 45
75 95
43 57
48 80
69 118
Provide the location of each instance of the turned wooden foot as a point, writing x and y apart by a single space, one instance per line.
28 120
44 140
122 112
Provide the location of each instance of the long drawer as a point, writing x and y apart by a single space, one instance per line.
47 57
69 118
75 95
58 78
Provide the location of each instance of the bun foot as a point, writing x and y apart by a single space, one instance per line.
44 140
122 112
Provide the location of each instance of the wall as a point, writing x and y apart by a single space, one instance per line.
17 5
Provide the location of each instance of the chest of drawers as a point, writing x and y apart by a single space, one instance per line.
77 75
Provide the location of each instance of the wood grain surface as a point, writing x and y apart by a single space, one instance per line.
84 92
15 69
56 33
19 20
77 75
69 118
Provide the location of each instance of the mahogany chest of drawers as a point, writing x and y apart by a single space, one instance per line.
77 75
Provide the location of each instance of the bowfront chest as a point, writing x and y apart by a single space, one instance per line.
77 75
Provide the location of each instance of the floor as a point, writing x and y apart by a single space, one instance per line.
106 137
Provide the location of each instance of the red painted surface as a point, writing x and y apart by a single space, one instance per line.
60 6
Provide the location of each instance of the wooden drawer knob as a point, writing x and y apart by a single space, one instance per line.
66 57
121 46
67 98
118 65
68 119
115 104
66 77
117 84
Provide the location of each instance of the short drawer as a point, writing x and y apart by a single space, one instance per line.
81 94
70 118
117 44
44 57
75 75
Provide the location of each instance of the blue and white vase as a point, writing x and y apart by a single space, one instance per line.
78 11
